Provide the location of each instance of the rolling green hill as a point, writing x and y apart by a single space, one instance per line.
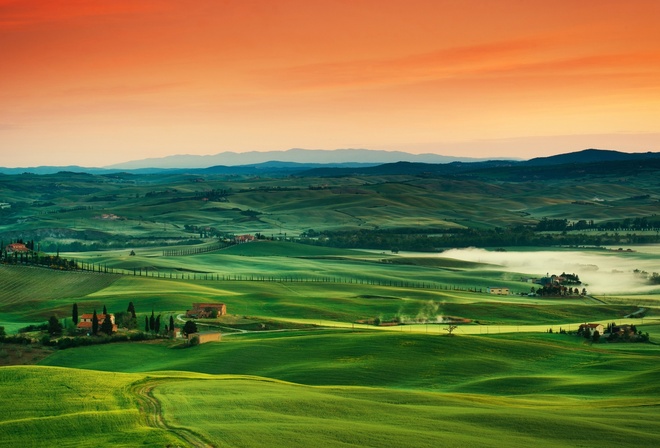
301 363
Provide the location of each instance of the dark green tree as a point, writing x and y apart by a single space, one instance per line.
157 325
189 327
54 326
74 314
146 324
171 323
95 324
131 309
152 321
2 331
596 336
105 311
106 325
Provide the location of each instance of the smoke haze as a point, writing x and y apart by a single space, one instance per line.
601 272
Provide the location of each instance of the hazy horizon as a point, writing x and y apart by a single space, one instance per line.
96 84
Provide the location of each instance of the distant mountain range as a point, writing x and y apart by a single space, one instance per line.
337 163
296 155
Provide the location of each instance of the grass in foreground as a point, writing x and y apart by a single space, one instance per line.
70 407
253 412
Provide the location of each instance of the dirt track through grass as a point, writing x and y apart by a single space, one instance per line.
152 411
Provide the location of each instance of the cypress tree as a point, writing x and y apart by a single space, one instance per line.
105 311
157 324
146 324
106 326
74 314
131 309
171 323
152 321
95 324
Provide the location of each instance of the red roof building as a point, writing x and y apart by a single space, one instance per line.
85 322
17 247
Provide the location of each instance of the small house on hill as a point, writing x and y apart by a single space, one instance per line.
206 336
85 322
206 310
592 328
244 238
498 290
17 248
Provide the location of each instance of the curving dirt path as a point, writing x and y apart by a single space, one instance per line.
150 408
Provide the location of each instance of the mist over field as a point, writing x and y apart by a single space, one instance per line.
603 272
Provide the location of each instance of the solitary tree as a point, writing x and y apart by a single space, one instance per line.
450 329
74 314
190 327
95 323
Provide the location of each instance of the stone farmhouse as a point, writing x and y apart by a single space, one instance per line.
85 322
206 310
498 290
17 247
592 327
244 238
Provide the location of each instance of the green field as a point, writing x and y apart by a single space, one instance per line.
301 362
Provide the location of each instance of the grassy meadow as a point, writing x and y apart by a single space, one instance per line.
301 362
335 382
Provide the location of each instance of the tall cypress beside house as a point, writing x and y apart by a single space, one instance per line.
95 324
74 314
106 326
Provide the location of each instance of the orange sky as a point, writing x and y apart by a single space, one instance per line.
97 82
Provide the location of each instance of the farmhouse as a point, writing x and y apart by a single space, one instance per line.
85 322
498 290
206 336
243 238
592 328
205 310
17 247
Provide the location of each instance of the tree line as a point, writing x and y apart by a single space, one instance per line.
430 241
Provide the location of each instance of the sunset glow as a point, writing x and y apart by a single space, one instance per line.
95 83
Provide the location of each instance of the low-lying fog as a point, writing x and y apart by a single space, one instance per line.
601 272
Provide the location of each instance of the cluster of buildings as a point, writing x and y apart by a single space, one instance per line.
85 321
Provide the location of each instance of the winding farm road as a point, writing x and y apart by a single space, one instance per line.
152 411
